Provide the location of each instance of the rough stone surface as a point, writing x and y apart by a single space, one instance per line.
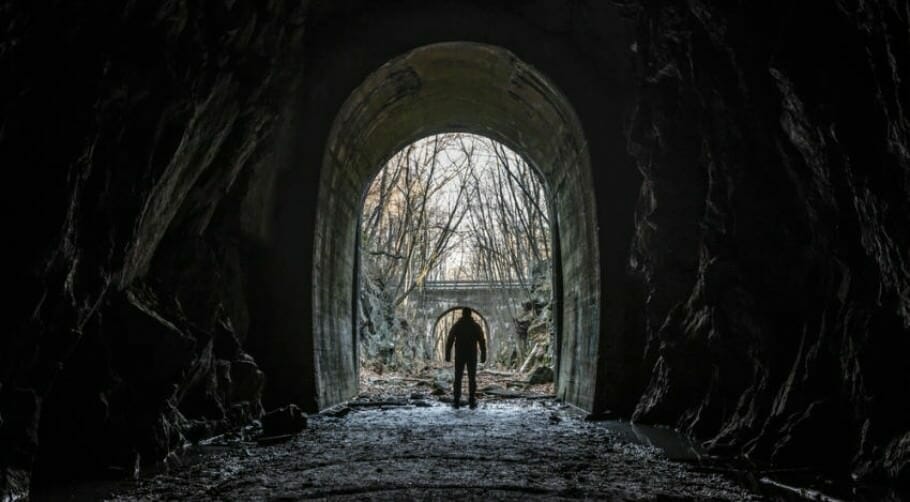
131 133
772 228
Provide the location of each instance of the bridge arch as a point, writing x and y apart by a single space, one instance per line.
491 298
475 88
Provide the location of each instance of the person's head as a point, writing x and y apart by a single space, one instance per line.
466 312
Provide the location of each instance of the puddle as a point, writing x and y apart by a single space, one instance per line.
670 442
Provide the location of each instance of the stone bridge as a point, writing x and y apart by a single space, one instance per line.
496 302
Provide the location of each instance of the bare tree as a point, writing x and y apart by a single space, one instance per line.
410 214
449 206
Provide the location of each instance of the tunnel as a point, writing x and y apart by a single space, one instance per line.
440 88
730 187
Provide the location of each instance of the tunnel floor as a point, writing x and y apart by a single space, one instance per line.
505 449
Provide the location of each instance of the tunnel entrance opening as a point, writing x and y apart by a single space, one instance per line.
472 88
454 220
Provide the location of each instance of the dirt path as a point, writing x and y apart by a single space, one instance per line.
424 449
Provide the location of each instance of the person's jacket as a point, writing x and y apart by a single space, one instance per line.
466 336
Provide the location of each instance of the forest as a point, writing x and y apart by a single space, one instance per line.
456 208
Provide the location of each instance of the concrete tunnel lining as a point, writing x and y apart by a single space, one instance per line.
456 86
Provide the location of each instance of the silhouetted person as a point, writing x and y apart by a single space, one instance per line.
466 335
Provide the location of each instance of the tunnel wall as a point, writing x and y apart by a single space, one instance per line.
772 230
136 138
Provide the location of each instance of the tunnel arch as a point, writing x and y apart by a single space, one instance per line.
279 223
467 87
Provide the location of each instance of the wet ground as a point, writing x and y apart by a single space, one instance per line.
399 441
504 449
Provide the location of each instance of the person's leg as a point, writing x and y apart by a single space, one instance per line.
472 381
459 372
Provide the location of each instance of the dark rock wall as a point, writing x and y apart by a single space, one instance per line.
774 228
131 133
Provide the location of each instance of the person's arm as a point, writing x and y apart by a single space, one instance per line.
450 340
483 347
